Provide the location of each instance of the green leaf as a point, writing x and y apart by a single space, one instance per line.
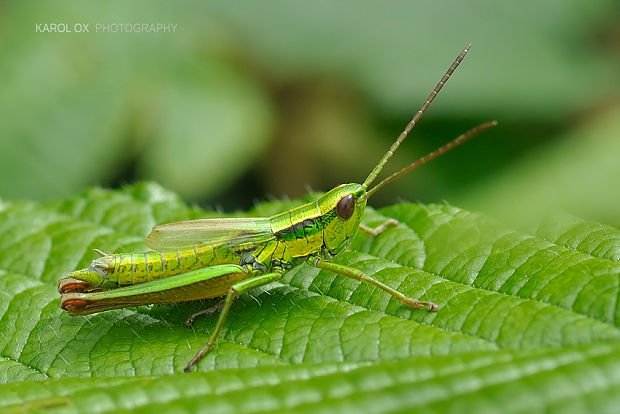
527 321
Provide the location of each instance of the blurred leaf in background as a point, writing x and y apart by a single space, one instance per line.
581 174
82 108
243 101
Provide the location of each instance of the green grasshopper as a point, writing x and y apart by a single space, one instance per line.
209 258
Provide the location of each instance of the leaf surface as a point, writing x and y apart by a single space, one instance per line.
527 321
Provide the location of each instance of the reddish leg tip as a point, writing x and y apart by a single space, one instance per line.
71 287
72 304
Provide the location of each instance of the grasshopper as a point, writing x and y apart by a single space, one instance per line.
210 258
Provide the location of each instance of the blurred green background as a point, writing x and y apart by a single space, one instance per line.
273 98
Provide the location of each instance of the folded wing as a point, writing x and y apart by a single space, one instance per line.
187 234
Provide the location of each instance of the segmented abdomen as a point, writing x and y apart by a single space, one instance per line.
134 268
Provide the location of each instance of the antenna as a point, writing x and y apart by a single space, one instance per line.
373 174
434 154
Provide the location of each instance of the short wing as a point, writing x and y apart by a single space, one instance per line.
233 231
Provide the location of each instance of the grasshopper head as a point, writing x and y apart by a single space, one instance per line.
341 211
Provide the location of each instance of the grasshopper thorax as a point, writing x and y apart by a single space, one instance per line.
341 212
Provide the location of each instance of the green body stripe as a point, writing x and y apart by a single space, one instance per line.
298 233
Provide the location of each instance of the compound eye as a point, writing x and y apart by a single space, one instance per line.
345 207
